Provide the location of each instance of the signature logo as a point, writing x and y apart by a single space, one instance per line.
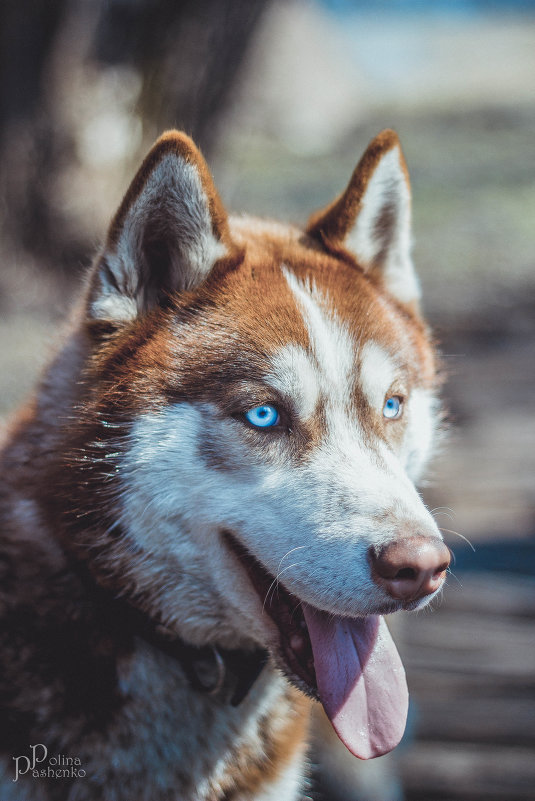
41 766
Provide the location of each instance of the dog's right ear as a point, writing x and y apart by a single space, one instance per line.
169 232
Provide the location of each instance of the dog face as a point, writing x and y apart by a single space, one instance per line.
257 406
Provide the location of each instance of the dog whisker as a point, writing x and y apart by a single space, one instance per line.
297 548
274 584
450 531
457 579
443 510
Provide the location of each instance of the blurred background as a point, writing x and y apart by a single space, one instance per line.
283 98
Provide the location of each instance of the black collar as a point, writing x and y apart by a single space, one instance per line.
227 674
219 672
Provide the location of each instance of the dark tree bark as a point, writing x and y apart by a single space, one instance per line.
188 53
28 144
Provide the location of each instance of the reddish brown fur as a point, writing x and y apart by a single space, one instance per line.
332 224
249 776
179 144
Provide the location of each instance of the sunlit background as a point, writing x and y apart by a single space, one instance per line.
283 98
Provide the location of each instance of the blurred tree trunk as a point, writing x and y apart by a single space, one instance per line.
187 52
28 142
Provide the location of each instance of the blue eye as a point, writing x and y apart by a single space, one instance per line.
262 416
393 407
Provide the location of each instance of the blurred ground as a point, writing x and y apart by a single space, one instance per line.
462 97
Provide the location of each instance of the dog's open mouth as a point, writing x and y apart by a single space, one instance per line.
351 665
286 611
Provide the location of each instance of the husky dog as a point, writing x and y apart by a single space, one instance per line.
209 503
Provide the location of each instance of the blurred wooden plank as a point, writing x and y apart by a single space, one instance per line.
490 594
471 671
446 772
470 643
506 721
425 682
516 666
466 629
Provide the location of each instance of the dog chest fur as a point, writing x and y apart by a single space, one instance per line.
73 678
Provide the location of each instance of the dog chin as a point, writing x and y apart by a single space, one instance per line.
415 606
391 607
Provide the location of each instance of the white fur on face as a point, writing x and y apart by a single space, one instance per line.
376 374
332 365
312 525
295 376
423 417
174 506
311 522
330 343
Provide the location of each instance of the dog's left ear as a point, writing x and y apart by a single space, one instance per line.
372 219
169 232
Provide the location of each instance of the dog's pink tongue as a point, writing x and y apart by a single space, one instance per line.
361 680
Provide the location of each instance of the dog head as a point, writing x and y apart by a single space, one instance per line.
257 405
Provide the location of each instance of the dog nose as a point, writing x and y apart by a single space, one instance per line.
412 567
